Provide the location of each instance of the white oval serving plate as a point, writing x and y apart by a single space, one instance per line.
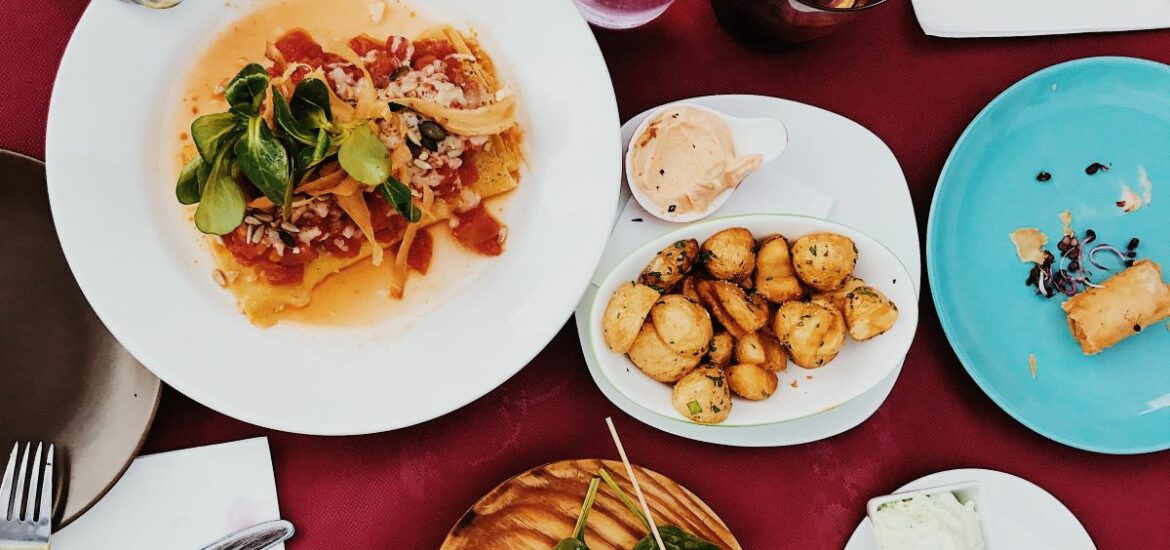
140 263
868 192
802 392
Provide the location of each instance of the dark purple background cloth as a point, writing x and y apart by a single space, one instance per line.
406 488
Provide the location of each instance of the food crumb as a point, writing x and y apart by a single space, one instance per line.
795 383
1032 364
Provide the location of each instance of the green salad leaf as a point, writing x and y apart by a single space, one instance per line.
211 132
398 195
309 157
191 181
284 119
675 539
310 104
264 161
245 91
364 156
222 203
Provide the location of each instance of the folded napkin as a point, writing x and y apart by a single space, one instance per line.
1038 17
181 500
768 191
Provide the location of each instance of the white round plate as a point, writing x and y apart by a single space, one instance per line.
1017 514
802 392
140 262
869 193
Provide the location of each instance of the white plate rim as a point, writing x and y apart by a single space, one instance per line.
985 477
603 104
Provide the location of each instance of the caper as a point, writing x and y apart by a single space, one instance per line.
433 131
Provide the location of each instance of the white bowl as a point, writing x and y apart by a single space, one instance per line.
970 491
859 367
764 136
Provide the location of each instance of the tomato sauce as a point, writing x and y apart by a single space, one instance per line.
479 231
382 58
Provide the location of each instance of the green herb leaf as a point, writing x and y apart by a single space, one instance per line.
675 539
263 159
284 119
221 206
191 181
245 92
570 544
312 156
694 407
310 104
398 195
364 156
211 132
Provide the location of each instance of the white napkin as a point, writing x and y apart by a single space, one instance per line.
1038 17
181 500
766 192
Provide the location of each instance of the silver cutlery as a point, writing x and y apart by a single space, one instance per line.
257 537
26 498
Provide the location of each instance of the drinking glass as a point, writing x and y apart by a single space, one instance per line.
774 24
622 14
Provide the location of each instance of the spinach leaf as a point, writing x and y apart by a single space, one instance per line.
364 156
221 207
191 181
312 156
570 544
284 119
210 132
398 194
263 159
245 91
310 104
675 539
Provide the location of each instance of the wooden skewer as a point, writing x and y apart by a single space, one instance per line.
637 488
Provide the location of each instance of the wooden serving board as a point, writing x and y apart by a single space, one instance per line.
536 509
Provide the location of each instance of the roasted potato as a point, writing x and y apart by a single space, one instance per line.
775 277
750 349
682 324
702 395
720 350
836 298
687 288
730 254
625 313
813 333
775 358
824 261
869 313
733 309
656 359
751 381
670 265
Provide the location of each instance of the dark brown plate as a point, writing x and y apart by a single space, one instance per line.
538 508
63 377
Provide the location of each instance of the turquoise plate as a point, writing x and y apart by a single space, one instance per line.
1060 120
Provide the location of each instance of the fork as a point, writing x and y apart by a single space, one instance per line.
26 513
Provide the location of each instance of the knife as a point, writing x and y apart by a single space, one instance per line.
257 537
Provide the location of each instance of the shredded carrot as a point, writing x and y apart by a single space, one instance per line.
1032 364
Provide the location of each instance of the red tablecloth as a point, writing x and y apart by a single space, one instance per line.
405 489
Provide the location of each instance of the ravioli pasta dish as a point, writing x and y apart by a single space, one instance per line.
330 153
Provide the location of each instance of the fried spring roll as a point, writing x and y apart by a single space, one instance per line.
1125 304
